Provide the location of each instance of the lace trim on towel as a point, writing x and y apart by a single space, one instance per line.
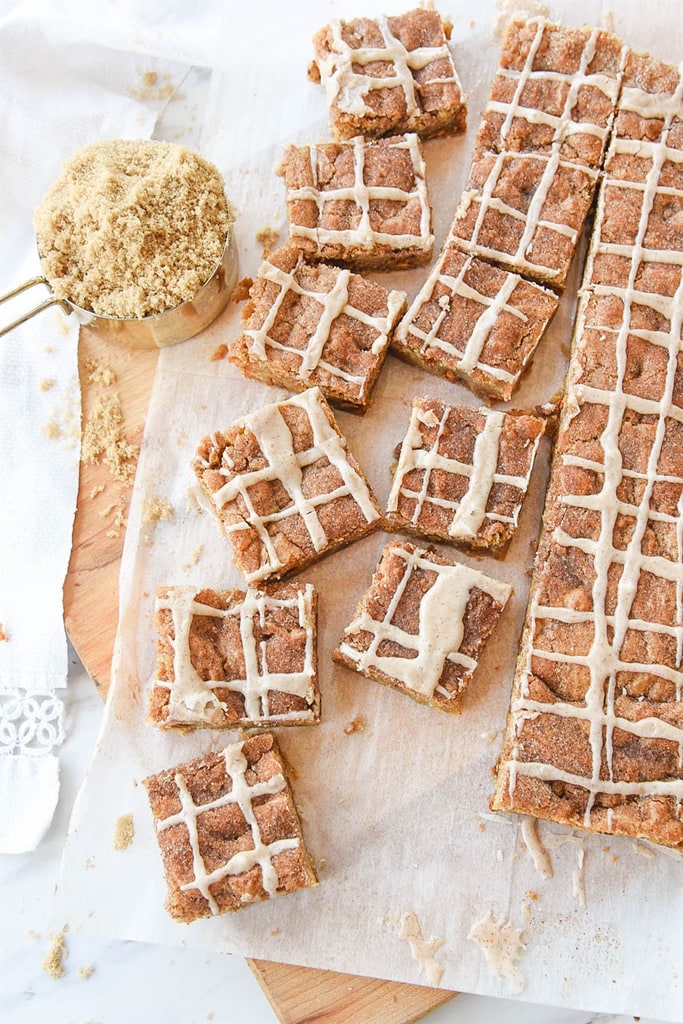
30 723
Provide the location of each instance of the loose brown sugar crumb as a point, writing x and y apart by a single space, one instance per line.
4 638
99 374
155 509
124 832
86 972
132 228
53 964
103 439
46 384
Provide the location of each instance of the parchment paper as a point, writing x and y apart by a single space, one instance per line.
396 811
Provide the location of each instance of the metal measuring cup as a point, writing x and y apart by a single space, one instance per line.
156 330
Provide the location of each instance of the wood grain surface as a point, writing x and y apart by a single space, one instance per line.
112 379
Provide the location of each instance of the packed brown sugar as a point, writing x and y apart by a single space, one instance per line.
132 228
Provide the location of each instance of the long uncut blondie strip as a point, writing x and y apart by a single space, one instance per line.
309 324
595 731
462 474
235 658
539 148
363 203
228 830
389 75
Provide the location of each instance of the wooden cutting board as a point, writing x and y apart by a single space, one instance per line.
113 379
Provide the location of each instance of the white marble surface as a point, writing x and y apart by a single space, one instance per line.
143 984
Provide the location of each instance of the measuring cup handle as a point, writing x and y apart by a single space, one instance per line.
52 301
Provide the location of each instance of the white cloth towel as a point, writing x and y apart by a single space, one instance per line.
55 96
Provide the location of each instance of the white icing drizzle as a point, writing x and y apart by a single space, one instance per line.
364 236
243 794
469 513
422 950
604 660
440 629
502 945
348 88
333 304
468 358
284 464
192 700
537 850
564 127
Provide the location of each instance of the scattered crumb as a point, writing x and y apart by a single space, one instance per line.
275 931
4 638
615 858
53 964
124 832
356 724
52 431
482 826
103 439
153 87
99 374
241 290
268 238
219 353
155 509
48 349
33 934
194 557
501 943
422 950
46 384
96 490
530 894
86 972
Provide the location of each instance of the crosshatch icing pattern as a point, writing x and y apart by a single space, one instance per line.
475 322
389 74
539 148
235 657
595 733
363 203
462 474
228 830
311 324
422 624
284 486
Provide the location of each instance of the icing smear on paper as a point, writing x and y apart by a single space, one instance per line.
422 950
502 945
506 10
537 850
